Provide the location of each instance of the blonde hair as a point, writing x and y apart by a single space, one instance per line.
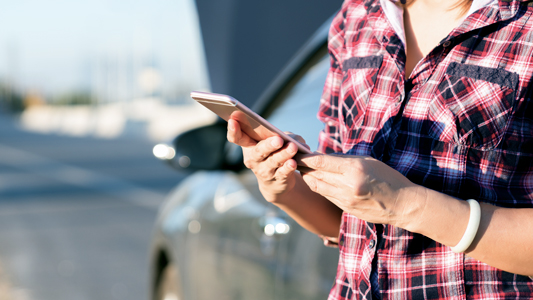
463 5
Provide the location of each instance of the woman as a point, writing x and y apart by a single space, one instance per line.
426 105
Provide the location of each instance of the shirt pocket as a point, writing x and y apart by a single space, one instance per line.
472 106
359 77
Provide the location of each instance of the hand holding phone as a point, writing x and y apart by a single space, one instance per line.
251 123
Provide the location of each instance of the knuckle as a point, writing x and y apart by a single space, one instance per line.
358 166
275 163
361 190
263 174
279 159
318 161
248 163
259 153
281 174
284 171
351 202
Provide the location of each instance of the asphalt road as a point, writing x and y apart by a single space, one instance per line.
76 214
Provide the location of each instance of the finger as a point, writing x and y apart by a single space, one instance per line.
328 163
279 158
300 167
320 187
334 179
338 181
286 170
265 148
236 136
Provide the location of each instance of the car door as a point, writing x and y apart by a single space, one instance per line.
306 267
249 249
233 258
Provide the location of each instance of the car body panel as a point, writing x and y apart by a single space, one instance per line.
225 239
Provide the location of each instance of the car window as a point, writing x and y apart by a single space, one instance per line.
299 106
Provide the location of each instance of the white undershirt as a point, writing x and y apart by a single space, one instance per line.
394 14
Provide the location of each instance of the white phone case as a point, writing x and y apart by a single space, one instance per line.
251 123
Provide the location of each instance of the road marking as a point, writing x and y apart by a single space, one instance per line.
75 176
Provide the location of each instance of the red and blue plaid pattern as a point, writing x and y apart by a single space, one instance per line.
461 124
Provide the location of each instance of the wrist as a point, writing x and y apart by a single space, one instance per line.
409 214
437 216
471 228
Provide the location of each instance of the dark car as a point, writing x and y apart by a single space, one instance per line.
216 237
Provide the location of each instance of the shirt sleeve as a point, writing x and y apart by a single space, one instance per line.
328 113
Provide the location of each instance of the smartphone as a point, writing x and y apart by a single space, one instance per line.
251 123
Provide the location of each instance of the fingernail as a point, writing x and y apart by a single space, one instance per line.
292 149
231 127
275 143
291 164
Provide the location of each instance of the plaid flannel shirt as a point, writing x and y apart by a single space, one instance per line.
461 124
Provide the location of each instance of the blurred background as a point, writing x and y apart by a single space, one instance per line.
87 88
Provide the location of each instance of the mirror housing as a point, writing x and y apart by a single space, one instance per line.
206 148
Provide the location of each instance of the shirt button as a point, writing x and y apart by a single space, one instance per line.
372 244
446 44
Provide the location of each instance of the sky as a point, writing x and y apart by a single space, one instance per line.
58 45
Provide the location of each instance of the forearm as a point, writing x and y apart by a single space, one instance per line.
374 192
311 210
504 239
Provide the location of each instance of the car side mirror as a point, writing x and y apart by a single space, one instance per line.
206 148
